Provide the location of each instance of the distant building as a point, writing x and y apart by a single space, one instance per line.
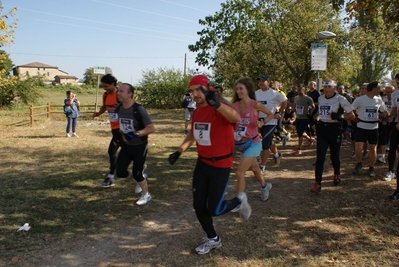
51 74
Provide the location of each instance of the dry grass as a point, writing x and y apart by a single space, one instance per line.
52 183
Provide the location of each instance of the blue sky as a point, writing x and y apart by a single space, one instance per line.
129 36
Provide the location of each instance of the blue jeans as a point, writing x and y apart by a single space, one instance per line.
71 122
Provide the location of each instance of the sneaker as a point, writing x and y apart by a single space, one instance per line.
316 188
236 208
284 140
277 159
67 135
245 208
288 136
208 244
265 191
144 199
297 152
75 135
262 168
186 131
357 168
381 159
371 172
388 176
395 195
366 155
337 179
353 155
311 141
108 182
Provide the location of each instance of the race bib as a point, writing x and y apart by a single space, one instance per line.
112 115
324 112
263 102
388 104
370 114
240 132
126 125
202 133
299 110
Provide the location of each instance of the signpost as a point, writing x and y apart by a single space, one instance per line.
99 70
319 57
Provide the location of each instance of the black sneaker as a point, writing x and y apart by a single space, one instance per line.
337 179
316 188
357 168
108 182
395 195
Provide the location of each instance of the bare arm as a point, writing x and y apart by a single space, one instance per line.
229 113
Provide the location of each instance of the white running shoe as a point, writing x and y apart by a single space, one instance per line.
75 135
288 136
389 176
144 199
381 159
67 135
265 191
245 209
208 244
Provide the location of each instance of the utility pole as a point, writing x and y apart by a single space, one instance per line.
185 63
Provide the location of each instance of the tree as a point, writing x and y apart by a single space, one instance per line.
387 9
89 78
247 38
162 88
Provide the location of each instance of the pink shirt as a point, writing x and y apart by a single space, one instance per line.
247 127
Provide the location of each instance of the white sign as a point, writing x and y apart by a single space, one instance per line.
99 70
318 57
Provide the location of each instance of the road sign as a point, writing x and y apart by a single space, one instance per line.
318 57
99 70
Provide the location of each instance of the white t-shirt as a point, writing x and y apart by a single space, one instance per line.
367 111
388 103
332 104
270 99
395 102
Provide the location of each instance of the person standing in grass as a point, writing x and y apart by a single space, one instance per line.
213 131
246 135
110 102
135 125
72 118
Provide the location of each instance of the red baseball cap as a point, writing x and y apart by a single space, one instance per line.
199 80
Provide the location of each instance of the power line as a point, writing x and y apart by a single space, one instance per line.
85 56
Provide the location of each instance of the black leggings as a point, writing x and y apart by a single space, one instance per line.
137 154
329 135
393 146
112 148
209 186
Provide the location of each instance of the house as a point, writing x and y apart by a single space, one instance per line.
65 79
48 72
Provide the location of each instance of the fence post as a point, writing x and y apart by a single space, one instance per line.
31 115
48 111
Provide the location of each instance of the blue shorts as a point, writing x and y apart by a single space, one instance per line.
253 150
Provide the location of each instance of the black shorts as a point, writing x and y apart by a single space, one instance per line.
301 125
363 135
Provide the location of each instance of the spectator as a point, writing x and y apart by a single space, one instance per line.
72 118
188 111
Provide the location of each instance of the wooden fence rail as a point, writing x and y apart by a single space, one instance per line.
55 109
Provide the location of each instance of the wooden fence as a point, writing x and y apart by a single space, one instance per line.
54 109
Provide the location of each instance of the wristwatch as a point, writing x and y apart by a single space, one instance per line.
136 133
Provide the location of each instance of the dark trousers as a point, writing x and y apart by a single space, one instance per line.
393 146
137 154
209 187
329 135
112 149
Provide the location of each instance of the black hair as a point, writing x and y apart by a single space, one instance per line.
109 79
130 87
68 92
397 76
219 87
371 86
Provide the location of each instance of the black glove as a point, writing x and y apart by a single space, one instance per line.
173 157
211 97
337 116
